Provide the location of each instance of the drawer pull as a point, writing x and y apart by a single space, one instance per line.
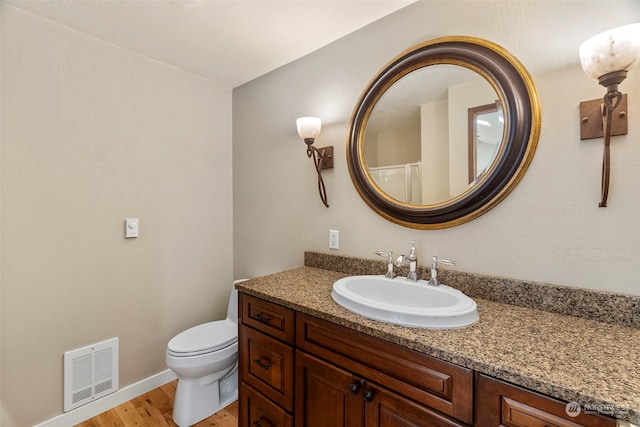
259 421
260 363
367 395
262 318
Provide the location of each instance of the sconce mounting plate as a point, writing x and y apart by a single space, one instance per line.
327 157
591 119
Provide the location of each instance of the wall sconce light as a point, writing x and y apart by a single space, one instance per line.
607 57
309 129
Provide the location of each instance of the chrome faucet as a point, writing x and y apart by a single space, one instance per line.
434 269
390 273
412 260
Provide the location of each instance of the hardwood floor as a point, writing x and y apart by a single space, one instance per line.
154 409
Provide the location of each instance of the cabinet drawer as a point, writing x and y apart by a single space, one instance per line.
267 365
390 409
440 385
259 411
502 404
269 318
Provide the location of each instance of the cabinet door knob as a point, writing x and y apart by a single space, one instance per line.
355 388
367 395
260 363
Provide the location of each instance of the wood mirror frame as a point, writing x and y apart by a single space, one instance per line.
520 103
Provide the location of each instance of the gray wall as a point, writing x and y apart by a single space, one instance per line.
549 229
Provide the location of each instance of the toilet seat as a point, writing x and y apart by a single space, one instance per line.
202 339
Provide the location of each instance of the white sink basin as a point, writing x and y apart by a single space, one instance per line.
404 302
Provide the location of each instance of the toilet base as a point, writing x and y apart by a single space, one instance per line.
197 398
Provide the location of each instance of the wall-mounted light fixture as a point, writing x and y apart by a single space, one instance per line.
309 129
607 57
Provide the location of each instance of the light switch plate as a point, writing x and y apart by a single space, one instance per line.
131 227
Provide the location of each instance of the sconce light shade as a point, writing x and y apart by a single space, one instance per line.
613 50
309 127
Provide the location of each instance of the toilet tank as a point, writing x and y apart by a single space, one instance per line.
232 308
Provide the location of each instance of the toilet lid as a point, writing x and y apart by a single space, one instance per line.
205 338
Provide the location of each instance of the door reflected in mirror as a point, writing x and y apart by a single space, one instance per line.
416 143
486 127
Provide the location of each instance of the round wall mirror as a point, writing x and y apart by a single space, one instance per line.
443 132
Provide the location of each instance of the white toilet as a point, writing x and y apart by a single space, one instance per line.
205 359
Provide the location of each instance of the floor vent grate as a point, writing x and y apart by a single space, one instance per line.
90 373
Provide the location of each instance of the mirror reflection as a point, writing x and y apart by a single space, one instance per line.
486 126
433 134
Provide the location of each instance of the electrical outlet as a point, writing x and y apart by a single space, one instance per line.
334 239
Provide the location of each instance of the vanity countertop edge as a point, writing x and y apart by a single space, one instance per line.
574 359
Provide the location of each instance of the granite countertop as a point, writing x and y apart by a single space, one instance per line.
570 358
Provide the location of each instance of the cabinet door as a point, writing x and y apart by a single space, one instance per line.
326 396
506 405
384 408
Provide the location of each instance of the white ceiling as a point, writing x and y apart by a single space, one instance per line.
230 42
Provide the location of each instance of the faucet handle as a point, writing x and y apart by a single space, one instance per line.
437 261
390 273
388 254
412 252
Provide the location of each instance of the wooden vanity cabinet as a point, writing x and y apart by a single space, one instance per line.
331 376
266 357
299 370
502 404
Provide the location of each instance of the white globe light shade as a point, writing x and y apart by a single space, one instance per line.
614 50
